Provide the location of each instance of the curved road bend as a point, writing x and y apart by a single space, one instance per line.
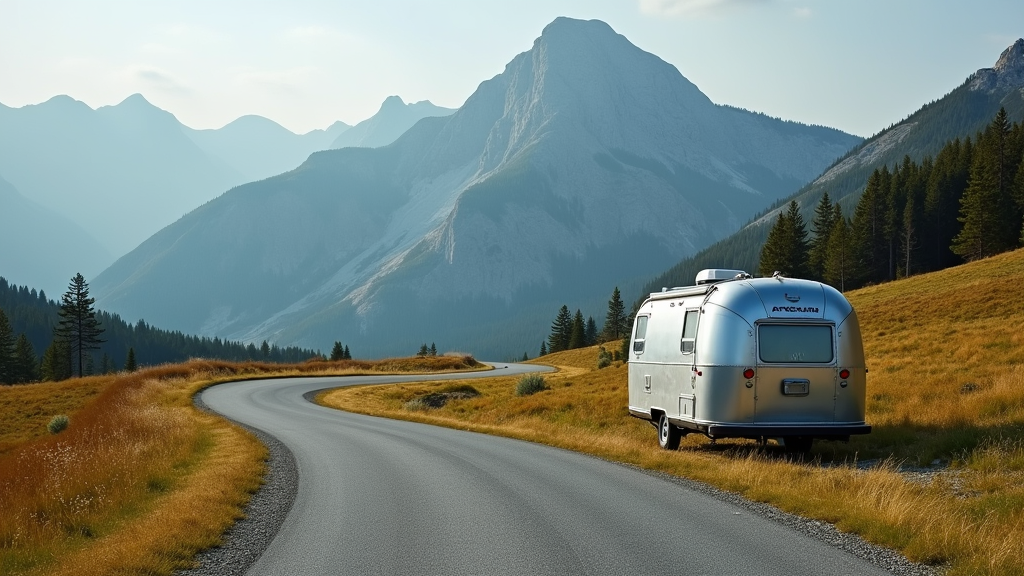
388 497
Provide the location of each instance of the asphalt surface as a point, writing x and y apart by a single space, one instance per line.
378 496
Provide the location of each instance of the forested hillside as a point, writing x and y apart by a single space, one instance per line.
929 138
30 313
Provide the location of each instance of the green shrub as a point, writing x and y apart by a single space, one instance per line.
530 384
604 358
57 424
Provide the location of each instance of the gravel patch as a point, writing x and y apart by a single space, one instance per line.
248 538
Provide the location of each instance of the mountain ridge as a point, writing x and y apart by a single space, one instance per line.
584 151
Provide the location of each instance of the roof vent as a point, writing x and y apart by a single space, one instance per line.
712 275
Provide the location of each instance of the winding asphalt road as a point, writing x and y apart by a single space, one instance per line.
387 497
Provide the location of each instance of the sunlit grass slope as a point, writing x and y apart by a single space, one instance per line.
141 480
946 383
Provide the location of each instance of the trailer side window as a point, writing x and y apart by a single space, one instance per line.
789 344
689 331
640 335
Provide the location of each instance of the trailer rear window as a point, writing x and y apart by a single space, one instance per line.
782 343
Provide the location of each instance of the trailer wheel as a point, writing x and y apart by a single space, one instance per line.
668 434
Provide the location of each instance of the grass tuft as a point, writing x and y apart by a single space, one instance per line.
530 384
58 424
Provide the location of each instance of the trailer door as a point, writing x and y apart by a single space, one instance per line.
796 373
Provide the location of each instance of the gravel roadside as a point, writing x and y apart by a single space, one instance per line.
247 539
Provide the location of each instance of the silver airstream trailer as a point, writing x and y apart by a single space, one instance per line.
741 357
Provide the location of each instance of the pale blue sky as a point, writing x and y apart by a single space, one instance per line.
857 65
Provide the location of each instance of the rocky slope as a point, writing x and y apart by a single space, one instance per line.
586 161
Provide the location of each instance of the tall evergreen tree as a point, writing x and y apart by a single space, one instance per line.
838 263
822 228
7 364
26 365
615 321
868 241
578 336
78 328
337 352
785 250
946 184
987 210
543 349
433 349
348 354
130 364
591 331
57 362
265 350
561 331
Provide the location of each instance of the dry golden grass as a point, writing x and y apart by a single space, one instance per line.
141 480
946 382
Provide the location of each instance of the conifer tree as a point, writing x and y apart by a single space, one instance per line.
524 358
129 362
615 322
987 210
868 246
423 351
348 354
578 336
591 331
822 228
337 352
57 362
7 368
78 328
543 349
26 367
561 331
946 184
433 349
265 350
838 264
785 250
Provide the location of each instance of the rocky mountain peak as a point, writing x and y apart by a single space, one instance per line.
1007 74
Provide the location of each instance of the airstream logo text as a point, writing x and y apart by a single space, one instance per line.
807 309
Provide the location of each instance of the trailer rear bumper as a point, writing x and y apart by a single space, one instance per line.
825 431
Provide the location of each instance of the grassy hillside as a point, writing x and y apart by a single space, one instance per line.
140 480
939 478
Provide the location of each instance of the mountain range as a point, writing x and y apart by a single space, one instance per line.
586 162
121 173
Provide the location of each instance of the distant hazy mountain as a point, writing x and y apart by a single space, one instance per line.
390 122
257 148
962 112
41 248
121 172
585 162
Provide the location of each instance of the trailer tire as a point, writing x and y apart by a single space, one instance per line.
668 434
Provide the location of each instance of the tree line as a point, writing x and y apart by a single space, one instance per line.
76 339
964 204
569 331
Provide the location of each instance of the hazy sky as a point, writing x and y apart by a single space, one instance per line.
857 65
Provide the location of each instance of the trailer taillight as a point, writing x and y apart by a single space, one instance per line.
844 373
748 373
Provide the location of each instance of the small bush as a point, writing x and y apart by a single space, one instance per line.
530 384
604 358
57 424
